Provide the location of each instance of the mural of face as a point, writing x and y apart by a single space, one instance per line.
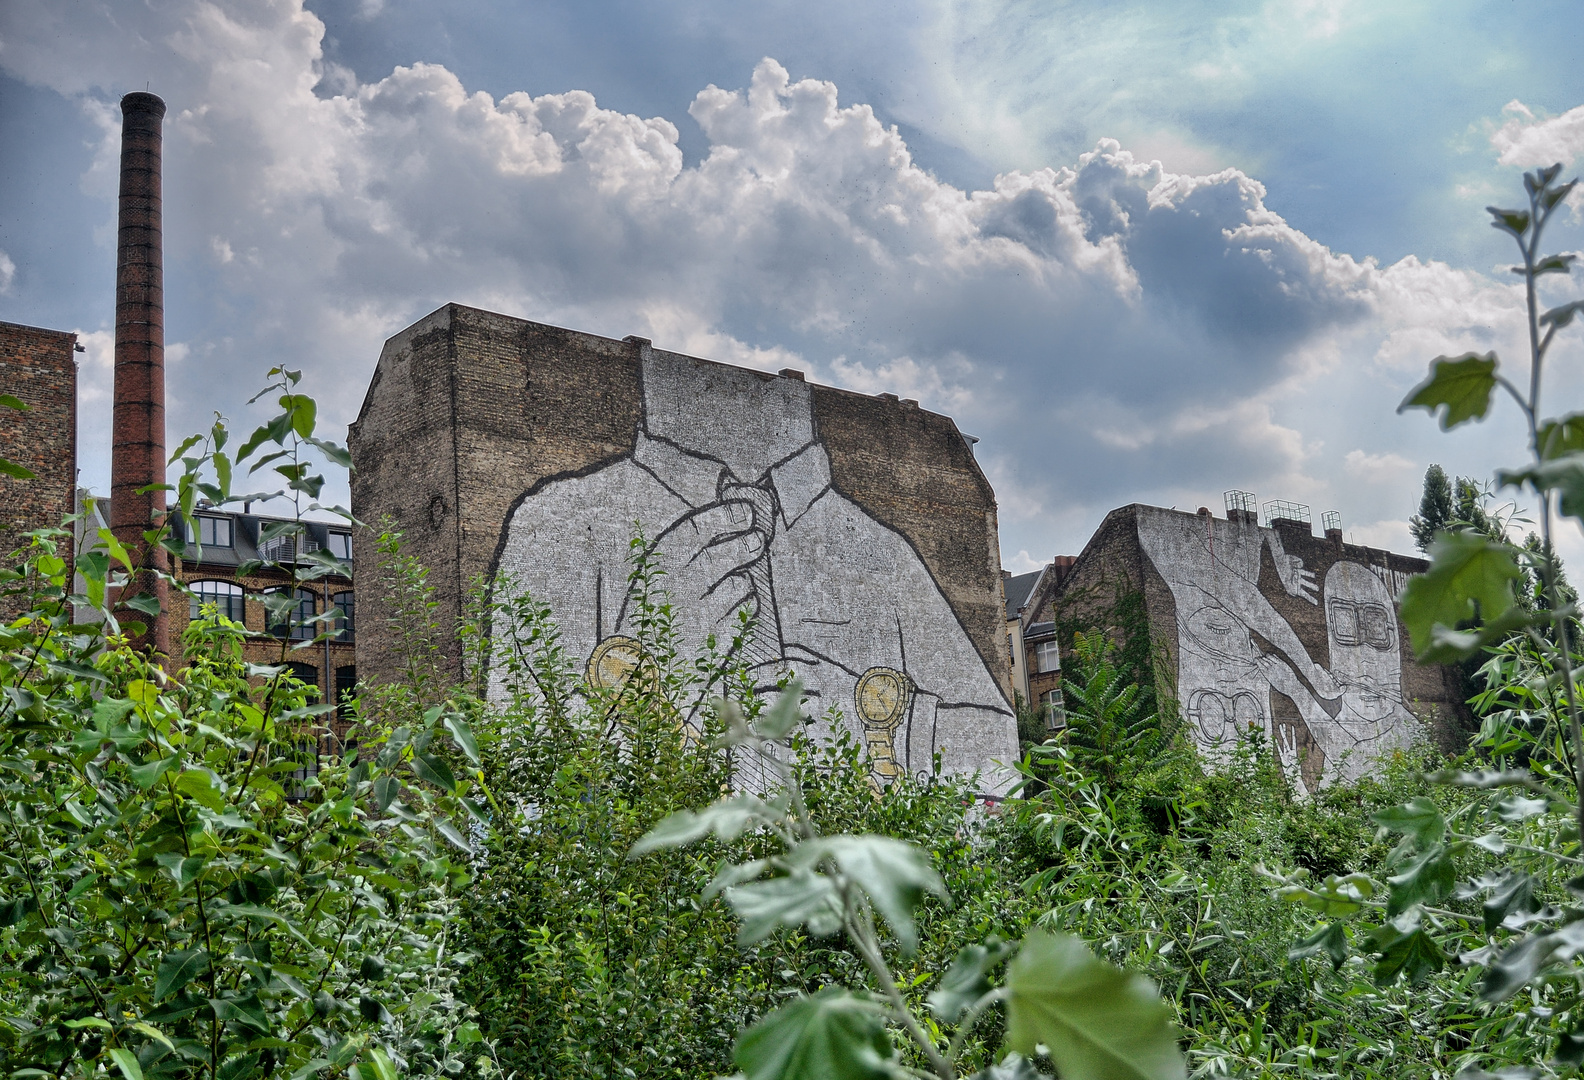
1366 662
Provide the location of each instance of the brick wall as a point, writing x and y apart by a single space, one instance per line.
37 367
1137 548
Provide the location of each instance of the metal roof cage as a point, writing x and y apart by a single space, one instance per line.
1282 510
1241 500
1331 520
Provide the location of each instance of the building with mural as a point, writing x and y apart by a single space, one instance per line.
1263 627
858 532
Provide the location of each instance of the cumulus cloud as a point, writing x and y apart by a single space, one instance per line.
1113 330
1525 140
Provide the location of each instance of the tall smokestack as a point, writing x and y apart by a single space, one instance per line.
137 454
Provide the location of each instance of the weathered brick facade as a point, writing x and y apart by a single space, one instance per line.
471 416
37 367
1313 652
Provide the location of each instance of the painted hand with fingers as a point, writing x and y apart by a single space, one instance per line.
712 557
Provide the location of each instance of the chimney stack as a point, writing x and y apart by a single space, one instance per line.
137 455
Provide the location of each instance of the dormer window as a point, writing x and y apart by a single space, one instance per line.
214 531
341 545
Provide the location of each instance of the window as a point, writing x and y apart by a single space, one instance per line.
346 689
295 622
226 596
214 531
1047 656
341 546
279 549
1054 708
343 605
305 673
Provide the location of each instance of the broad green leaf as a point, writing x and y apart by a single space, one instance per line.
1461 386
967 980
14 403
386 788
379 1064
1428 877
1406 951
127 1062
1335 897
147 603
90 1022
1516 966
1515 893
183 871
1100 1022
1468 574
434 770
1418 817
463 736
303 410
1556 438
12 469
247 1011
1330 939
145 774
727 819
778 721
335 454
199 785
187 444
894 875
1561 316
453 835
830 1036
1515 222
1563 474
177 970
801 898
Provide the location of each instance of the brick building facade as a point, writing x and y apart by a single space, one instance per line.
37 367
1264 626
506 446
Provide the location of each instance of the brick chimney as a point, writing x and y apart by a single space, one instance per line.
137 454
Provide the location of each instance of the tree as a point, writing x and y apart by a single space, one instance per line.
1435 508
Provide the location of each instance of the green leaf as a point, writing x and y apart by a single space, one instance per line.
801 898
337 455
1554 264
303 411
727 819
1515 222
1561 316
127 1062
778 721
1335 897
12 469
1100 1023
386 788
145 774
967 980
1468 574
379 1064
453 835
1518 964
434 770
246 1011
14 403
177 970
147 603
184 871
833 1035
1514 893
1462 385
894 875
463 736
1429 876
1418 817
1330 939
1563 474
199 785
1406 951
187 444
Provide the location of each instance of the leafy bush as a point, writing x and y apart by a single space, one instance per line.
186 888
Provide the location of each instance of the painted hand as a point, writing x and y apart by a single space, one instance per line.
708 555
1297 580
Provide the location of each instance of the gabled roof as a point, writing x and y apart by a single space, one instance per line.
1017 591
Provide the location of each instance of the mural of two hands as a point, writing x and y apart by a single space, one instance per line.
716 559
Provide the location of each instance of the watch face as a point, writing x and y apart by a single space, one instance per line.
882 697
613 661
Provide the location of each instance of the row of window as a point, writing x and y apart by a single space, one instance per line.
221 532
296 622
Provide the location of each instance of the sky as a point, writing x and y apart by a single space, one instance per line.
1145 252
